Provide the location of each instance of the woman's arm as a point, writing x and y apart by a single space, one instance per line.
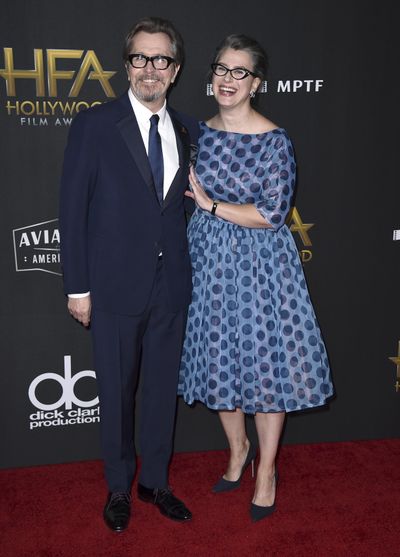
244 215
273 205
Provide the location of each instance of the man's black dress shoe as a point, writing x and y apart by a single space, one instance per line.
117 511
167 503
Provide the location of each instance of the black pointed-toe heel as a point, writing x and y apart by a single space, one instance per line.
257 512
226 485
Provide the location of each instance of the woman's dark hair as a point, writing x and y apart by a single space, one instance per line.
242 42
156 25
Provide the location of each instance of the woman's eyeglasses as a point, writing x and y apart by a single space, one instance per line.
236 73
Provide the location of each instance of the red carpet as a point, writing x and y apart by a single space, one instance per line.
334 499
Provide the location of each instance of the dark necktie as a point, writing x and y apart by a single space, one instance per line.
156 157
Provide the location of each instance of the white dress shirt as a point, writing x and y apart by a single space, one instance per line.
167 134
168 144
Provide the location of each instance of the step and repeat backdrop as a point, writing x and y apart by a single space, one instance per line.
330 84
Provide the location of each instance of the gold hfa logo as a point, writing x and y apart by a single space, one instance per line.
90 69
297 225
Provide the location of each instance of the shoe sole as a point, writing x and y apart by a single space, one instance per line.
113 529
163 513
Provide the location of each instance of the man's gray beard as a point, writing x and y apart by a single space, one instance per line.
149 97
146 96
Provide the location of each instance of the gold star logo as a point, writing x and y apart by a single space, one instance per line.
396 361
299 226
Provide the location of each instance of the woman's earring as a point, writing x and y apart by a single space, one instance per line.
252 94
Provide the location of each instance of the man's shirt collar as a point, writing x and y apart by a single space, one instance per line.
142 113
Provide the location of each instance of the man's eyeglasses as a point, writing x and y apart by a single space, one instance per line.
158 62
236 73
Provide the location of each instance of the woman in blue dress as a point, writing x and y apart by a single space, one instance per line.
253 345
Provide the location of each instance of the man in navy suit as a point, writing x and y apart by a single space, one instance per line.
126 263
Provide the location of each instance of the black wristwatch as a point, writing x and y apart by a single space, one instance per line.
214 207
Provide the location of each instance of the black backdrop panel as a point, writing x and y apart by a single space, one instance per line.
329 85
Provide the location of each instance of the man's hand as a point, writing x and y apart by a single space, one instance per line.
80 309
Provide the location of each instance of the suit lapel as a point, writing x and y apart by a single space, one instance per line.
129 129
183 145
130 132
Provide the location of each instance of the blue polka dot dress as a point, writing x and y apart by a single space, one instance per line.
252 339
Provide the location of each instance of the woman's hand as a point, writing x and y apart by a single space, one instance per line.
198 193
244 214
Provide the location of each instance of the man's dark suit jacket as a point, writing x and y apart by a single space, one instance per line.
111 224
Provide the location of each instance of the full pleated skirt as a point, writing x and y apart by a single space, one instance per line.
252 338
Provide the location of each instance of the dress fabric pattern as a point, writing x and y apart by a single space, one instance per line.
252 338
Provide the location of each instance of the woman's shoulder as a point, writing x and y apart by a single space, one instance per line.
261 125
